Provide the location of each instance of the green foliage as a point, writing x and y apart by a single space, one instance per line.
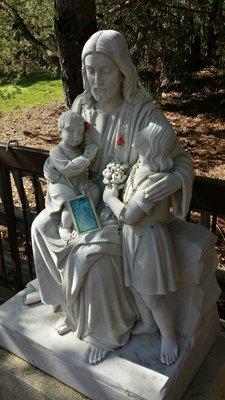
29 91
19 56
170 38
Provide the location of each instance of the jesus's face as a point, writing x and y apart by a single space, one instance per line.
104 77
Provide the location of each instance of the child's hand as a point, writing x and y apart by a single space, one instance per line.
109 192
91 151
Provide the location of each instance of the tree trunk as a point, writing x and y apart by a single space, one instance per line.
214 24
75 22
195 52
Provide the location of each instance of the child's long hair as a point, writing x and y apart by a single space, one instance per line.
161 139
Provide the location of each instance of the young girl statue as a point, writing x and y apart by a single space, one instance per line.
149 262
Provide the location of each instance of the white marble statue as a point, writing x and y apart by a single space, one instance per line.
148 254
86 276
72 162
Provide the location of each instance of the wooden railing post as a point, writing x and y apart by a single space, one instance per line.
7 201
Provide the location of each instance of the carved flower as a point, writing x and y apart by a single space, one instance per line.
87 125
115 174
118 178
120 141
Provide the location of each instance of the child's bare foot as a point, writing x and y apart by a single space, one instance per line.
65 233
169 349
95 354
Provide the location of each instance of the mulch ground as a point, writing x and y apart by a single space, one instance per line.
202 135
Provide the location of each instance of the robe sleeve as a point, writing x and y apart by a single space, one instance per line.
66 167
183 166
145 205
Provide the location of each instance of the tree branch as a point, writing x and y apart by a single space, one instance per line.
26 33
188 9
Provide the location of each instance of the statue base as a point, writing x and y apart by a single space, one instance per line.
133 372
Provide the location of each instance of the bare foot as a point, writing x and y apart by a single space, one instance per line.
169 349
95 354
61 327
65 234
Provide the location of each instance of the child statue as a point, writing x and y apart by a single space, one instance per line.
149 261
72 162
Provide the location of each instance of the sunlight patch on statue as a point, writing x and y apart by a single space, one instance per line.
83 214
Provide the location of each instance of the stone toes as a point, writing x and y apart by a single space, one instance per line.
104 353
173 357
100 355
91 356
163 359
167 359
96 356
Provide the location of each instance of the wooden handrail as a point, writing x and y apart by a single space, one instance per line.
208 198
208 193
23 158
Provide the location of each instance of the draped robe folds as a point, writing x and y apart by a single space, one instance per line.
86 276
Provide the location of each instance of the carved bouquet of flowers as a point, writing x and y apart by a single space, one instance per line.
115 174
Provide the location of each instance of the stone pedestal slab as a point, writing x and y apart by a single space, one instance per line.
133 372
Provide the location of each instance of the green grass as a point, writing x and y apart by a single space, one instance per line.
29 91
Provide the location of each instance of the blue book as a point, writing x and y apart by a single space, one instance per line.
83 214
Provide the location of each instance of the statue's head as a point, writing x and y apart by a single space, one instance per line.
156 143
113 46
71 128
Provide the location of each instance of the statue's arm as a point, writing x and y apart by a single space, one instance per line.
50 172
130 215
66 167
181 179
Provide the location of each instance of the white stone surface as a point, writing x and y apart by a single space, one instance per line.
133 372
84 275
88 277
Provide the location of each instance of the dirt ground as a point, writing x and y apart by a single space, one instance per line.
201 134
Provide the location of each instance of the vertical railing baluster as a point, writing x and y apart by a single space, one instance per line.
205 219
39 196
26 212
7 201
214 222
188 217
2 259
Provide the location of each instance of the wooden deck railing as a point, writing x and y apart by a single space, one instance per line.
16 163
19 164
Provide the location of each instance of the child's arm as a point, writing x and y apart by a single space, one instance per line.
130 215
65 166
